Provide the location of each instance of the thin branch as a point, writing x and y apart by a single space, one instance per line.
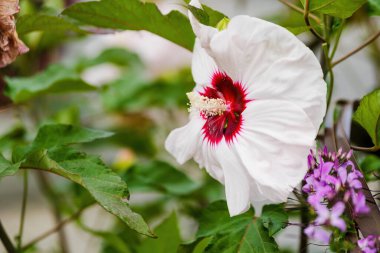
55 229
365 149
366 43
23 211
306 15
6 241
300 10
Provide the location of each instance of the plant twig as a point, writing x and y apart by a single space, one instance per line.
5 240
55 229
365 149
300 10
306 15
23 211
365 43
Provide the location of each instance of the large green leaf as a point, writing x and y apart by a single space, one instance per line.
244 233
56 78
336 8
274 218
45 23
49 153
134 15
368 115
168 238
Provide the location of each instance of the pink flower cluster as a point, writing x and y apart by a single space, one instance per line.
333 187
369 244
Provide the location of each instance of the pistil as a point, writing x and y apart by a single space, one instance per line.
208 107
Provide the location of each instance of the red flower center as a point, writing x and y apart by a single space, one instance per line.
229 123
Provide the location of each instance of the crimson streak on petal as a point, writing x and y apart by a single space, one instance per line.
229 123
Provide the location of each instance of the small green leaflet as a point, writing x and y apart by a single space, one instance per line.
368 115
274 218
244 233
168 238
374 7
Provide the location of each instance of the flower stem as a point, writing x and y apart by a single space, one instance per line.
23 210
366 43
306 15
5 240
300 10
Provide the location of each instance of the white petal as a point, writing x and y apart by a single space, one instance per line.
271 62
205 157
183 142
203 66
236 179
273 145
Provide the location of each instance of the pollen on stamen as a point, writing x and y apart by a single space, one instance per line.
208 107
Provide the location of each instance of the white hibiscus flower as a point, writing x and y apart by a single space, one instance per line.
255 111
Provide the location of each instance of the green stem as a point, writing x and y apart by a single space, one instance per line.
5 240
330 86
337 40
307 21
23 211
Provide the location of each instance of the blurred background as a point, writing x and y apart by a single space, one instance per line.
142 80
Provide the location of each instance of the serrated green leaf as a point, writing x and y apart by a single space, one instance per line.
56 78
168 238
45 23
49 153
60 134
336 8
239 234
374 7
368 115
274 218
134 15
161 176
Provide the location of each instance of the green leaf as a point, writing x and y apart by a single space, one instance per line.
369 166
118 56
48 153
56 78
199 14
160 176
242 233
374 7
336 8
7 168
59 134
368 115
45 23
134 15
274 218
168 238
